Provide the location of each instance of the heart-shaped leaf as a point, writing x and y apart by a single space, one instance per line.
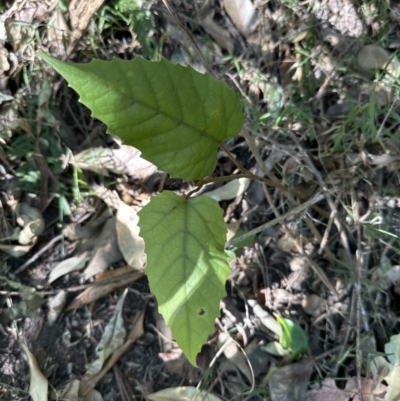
186 264
174 115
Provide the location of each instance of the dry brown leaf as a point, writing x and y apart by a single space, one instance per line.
243 15
55 305
89 382
68 265
19 35
290 382
113 337
38 383
106 251
81 12
129 240
108 283
266 319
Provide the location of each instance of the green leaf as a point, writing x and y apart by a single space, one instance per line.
186 264
174 115
293 336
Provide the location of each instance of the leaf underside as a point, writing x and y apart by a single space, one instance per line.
186 264
174 115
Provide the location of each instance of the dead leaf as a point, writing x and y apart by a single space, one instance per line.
129 240
31 219
38 384
234 355
182 394
266 319
71 390
219 34
231 190
375 57
106 251
16 251
19 35
68 265
55 306
81 12
243 15
58 31
125 160
392 348
4 64
290 382
107 283
89 382
112 338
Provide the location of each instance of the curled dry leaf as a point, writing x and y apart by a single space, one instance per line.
130 243
182 394
38 383
106 251
4 64
109 282
243 15
58 31
89 382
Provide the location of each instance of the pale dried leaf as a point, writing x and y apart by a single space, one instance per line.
81 12
219 34
55 305
287 243
68 265
32 221
19 35
392 348
4 64
266 319
228 191
57 31
275 348
106 252
38 383
372 57
298 34
182 394
129 240
112 338
89 382
233 354
125 160
242 14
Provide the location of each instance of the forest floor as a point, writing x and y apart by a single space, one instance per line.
319 85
